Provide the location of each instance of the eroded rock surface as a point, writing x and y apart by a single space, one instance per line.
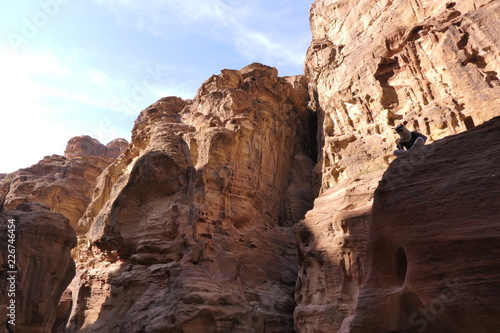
44 266
373 64
62 183
432 65
433 245
191 228
332 249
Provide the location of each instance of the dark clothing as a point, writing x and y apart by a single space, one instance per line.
409 144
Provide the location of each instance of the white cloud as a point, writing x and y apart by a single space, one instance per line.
243 24
39 118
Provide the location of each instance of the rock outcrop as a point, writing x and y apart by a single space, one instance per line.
432 65
86 146
373 64
62 183
332 249
248 208
433 247
190 229
36 267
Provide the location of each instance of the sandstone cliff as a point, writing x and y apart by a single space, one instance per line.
433 243
46 201
248 208
62 183
190 230
373 64
43 267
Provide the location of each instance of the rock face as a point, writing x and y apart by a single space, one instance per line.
87 146
191 228
42 244
205 222
373 64
331 248
62 183
433 244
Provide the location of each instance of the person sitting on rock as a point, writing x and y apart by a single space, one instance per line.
408 140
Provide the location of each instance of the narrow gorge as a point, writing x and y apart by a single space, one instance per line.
275 204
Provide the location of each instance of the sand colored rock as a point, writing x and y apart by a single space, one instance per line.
371 65
62 183
191 228
43 263
205 221
86 146
434 264
332 249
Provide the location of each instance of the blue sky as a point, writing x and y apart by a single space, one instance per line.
72 67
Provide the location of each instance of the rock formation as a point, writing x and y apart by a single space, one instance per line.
43 265
62 183
47 200
373 64
433 243
248 208
190 230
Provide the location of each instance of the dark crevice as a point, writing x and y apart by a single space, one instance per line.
313 135
464 40
401 265
385 71
469 122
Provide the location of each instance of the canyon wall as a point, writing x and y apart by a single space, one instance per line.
36 267
431 65
249 207
62 183
44 203
190 229
433 252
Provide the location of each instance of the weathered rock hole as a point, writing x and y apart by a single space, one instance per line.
469 122
306 237
386 69
401 265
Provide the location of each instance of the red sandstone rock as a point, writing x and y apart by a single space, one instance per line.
64 184
190 229
84 146
372 64
332 248
433 243
43 263
116 147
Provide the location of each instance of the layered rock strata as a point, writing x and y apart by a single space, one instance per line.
332 250
36 267
62 183
433 246
371 65
431 65
190 229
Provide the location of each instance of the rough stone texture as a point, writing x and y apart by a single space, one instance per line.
373 64
44 266
86 146
434 265
63 183
191 228
332 244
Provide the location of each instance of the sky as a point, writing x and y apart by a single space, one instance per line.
88 67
